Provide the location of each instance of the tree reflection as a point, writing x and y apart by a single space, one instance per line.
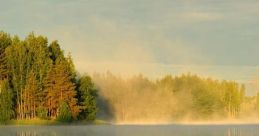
35 133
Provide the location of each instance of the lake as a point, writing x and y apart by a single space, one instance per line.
131 130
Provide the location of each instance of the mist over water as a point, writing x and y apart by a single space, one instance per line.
132 130
173 99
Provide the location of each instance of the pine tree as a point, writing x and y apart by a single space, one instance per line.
5 41
40 62
87 98
56 53
70 67
59 88
18 66
6 103
30 96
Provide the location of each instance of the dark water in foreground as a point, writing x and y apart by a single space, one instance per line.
132 130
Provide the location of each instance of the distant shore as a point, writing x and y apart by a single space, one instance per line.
220 122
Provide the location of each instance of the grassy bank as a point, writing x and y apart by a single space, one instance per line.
53 122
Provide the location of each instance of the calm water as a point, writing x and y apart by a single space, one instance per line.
131 130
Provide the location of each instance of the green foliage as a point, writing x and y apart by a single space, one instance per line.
208 97
170 98
39 74
6 104
39 81
22 58
64 113
55 52
58 88
42 113
87 98
5 41
206 101
30 97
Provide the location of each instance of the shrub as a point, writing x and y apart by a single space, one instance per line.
64 114
42 113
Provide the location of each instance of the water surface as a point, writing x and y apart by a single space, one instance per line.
132 130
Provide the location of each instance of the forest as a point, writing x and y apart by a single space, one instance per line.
170 99
38 81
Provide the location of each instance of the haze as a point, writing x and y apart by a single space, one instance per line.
214 38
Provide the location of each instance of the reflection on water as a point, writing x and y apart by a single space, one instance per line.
132 130
241 132
27 133
234 132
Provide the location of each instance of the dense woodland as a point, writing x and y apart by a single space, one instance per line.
38 81
186 97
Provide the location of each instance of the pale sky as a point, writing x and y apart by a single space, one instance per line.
215 38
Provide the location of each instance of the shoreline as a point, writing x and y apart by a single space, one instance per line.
103 122
39 122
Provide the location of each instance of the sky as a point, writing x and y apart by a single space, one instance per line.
212 38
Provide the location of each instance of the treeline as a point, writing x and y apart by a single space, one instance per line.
38 81
185 97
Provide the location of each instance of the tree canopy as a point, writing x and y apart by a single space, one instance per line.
37 79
